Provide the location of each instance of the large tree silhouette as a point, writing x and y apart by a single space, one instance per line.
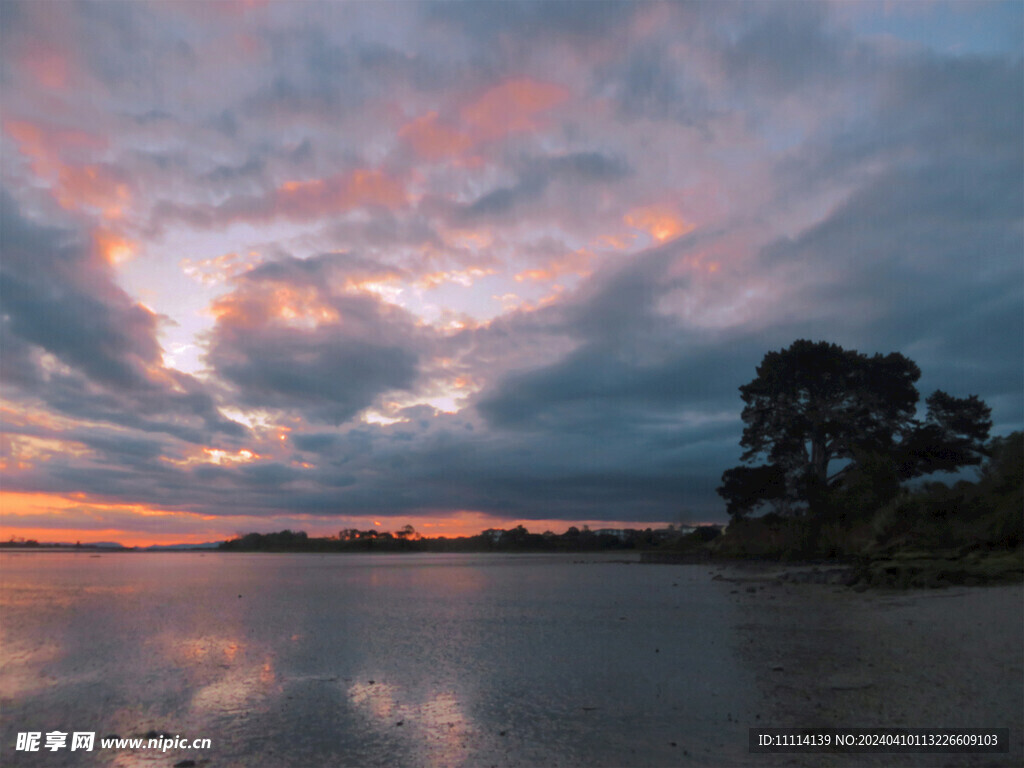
815 406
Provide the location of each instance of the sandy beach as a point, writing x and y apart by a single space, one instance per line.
826 656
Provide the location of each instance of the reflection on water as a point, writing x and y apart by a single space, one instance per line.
200 650
437 728
421 660
239 690
22 662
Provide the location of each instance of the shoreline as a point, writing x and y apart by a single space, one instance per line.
827 656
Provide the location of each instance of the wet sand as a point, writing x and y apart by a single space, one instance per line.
826 656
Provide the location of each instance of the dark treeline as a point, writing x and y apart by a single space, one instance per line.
517 539
21 543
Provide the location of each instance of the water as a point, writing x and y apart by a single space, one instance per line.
372 660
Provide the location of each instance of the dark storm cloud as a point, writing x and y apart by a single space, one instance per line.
644 402
132 49
588 166
968 104
646 83
384 230
785 47
327 376
503 200
11 16
594 435
253 168
538 173
532 19
629 470
901 265
187 411
316 72
923 258
600 388
272 474
120 448
925 255
315 443
930 111
330 372
315 271
59 298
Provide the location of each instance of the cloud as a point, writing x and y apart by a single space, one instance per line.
432 139
318 74
537 174
786 48
920 257
515 105
297 200
295 335
58 297
533 18
508 259
79 342
648 83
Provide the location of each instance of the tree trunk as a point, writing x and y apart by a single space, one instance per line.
820 457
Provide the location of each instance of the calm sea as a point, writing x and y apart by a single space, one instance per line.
371 660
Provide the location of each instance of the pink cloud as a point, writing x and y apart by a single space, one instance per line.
432 139
518 104
74 184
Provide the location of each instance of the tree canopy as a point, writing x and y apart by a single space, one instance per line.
818 412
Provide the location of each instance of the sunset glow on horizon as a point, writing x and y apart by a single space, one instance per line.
475 265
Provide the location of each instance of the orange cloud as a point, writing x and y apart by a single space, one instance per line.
235 7
433 141
344 192
513 106
21 416
22 452
47 65
282 304
660 222
617 242
42 145
386 287
474 239
361 187
113 248
463 277
219 269
207 455
74 186
574 263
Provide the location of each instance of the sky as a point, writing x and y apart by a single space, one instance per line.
476 264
